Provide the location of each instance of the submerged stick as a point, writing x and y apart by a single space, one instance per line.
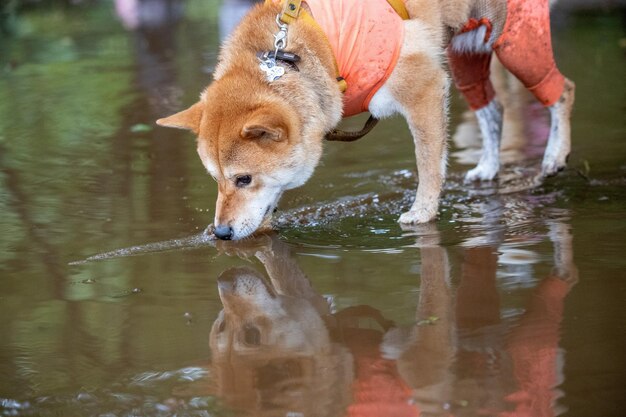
206 238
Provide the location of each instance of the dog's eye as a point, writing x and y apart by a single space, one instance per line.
243 180
251 336
221 326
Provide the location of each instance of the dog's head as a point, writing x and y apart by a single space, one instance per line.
256 137
252 143
271 353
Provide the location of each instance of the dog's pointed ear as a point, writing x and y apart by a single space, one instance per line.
187 119
265 126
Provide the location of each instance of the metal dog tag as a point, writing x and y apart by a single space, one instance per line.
271 70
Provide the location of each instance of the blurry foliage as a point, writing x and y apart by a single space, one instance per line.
59 96
206 10
67 77
10 9
74 85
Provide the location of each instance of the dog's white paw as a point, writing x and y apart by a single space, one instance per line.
482 172
552 165
417 216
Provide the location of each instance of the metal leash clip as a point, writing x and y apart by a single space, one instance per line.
280 37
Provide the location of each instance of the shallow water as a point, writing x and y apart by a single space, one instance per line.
510 304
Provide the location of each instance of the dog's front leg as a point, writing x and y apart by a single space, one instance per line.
426 116
427 125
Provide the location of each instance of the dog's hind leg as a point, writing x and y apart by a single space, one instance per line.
470 71
525 49
490 124
559 142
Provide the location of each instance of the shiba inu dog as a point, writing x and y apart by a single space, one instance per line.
291 69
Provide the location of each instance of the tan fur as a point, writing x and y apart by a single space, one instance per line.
450 13
455 12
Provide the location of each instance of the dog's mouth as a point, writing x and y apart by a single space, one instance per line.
245 225
266 223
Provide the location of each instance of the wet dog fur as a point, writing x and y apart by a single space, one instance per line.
258 139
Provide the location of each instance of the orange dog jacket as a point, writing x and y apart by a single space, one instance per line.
365 37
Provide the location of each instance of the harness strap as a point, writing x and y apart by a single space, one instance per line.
400 8
345 136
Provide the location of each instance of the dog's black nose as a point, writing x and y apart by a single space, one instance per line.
223 232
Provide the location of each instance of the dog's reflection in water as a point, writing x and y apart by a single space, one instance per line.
272 354
511 365
271 351
277 350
